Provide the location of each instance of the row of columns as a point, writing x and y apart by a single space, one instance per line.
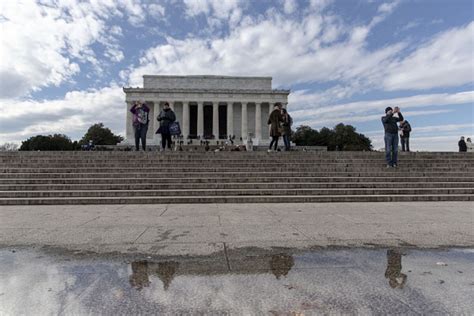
215 118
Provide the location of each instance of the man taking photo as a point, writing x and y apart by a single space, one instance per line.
389 121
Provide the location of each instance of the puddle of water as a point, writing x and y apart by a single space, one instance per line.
355 281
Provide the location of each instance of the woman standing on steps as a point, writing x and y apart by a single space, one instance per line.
274 121
140 123
166 117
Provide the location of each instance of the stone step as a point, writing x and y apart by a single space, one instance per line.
200 180
236 158
236 192
210 169
237 199
234 174
235 185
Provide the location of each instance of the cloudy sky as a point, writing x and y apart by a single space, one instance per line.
63 63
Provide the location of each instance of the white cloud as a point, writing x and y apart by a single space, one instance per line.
314 46
44 43
71 115
156 11
444 61
366 111
289 6
221 9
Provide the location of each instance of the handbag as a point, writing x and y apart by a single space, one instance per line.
175 129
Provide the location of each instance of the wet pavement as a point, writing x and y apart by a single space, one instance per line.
247 281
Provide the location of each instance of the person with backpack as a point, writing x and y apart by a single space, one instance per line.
166 118
389 122
286 128
405 130
140 123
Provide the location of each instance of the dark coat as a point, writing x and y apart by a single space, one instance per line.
406 129
462 146
390 123
286 125
166 118
274 121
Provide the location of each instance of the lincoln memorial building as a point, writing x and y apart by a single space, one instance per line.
208 107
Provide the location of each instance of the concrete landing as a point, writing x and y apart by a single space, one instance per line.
201 229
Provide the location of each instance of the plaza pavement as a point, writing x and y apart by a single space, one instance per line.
202 229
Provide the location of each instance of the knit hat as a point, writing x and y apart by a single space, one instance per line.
388 109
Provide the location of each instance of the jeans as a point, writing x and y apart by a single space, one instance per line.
140 133
165 138
286 140
405 143
391 148
274 142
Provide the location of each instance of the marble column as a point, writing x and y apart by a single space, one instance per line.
185 127
215 119
230 119
244 120
128 123
200 119
258 121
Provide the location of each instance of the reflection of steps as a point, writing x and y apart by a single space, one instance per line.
181 177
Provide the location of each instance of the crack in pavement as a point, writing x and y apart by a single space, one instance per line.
166 209
140 235
89 221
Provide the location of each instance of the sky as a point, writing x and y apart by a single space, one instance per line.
63 63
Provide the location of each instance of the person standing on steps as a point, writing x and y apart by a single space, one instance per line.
462 145
390 126
405 130
166 117
286 128
274 120
140 123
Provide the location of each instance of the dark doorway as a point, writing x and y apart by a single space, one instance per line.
222 121
207 121
193 111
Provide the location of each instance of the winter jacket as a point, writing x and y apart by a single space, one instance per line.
166 117
140 115
390 123
274 122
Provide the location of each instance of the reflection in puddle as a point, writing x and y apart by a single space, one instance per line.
246 281
397 279
141 270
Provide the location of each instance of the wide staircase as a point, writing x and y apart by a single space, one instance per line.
116 177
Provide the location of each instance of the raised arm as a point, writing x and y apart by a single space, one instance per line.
400 117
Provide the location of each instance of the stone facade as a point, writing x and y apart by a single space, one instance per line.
209 107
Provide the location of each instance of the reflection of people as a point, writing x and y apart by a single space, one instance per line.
166 271
281 264
139 278
394 269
